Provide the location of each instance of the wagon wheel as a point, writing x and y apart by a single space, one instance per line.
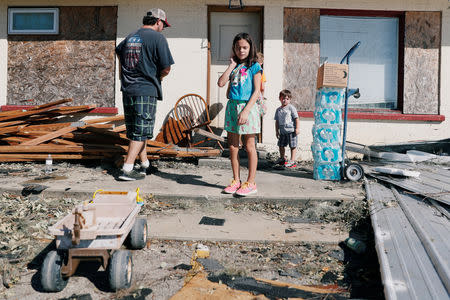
120 270
51 277
138 234
354 172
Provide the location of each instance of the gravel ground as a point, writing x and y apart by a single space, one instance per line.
160 269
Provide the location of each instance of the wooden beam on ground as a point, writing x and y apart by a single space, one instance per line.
209 134
50 136
90 137
20 114
67 110
104 132
47 127
74 126
153 143
35 108
51 104
11 123
34 133
105 119
15 139
11 129
120 128
42 157
46 148
189 152
102 126
64 142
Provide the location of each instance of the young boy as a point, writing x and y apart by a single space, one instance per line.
287 127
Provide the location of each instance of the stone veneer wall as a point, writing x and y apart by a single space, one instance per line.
422 55
301 35
77 63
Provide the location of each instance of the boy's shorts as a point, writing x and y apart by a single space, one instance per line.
139 114
288 139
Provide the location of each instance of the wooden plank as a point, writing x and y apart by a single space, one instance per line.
11 129
101 131
50 136
51 104
105 119
48 127
21 114
32 132
102 126
159 144
11 123
209 134
75 108
67 110
89 137
46 148
43 156
64 142
46 106
15 139
120 128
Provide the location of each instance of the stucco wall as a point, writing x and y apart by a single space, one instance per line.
187 40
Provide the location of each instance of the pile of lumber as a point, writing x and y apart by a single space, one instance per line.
32 134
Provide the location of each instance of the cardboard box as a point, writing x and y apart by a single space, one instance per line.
332 75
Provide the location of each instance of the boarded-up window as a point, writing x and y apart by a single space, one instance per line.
301 55
418 66
422 52
77 63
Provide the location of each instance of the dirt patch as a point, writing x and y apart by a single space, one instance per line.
161 268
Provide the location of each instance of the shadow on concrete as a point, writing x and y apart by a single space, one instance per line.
186 179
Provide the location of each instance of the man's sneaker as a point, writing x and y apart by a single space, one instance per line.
281 161
130 176
247 189
233 187
290 164
140 169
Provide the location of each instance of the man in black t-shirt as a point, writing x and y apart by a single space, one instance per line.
145 59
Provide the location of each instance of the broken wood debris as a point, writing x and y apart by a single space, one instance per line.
32 134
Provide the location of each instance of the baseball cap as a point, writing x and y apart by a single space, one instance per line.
159 14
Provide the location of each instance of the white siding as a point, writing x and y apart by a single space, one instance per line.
188 42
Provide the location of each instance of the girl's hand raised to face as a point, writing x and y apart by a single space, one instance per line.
233 64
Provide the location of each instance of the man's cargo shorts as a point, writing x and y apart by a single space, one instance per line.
139 116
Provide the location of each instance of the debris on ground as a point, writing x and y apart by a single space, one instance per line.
24 222
40 131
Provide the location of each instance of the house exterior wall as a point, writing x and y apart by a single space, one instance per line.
188 41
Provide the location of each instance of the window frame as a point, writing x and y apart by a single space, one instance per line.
400 15
13 10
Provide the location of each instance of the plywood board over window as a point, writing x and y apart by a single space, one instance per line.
301 55
77 63
422 53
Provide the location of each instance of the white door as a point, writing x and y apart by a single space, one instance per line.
224 26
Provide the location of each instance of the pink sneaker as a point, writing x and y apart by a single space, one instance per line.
233 187
247 189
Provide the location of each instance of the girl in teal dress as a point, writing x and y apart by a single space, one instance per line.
242 115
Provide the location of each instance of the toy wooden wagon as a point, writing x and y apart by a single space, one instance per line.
95 231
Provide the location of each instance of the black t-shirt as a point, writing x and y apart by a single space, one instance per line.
143 54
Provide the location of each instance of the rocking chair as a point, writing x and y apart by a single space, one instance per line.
192 112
